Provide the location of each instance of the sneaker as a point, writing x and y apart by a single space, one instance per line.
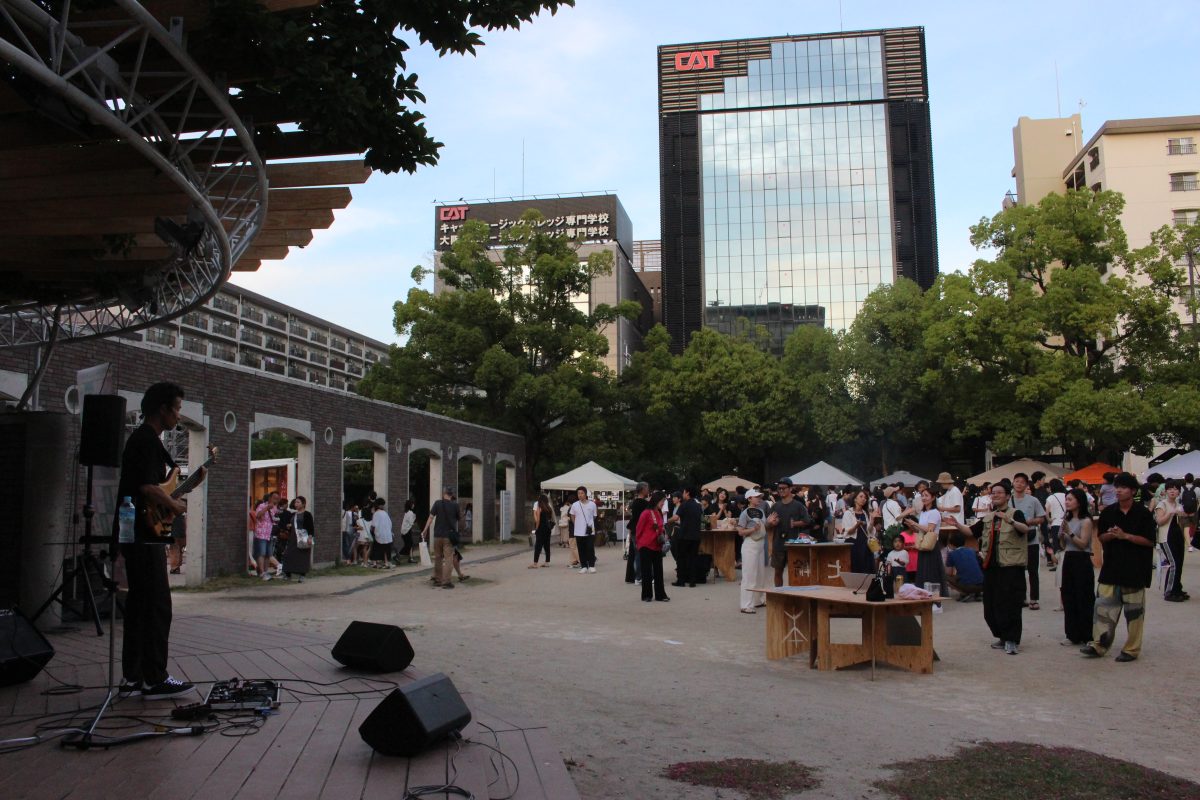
1089 651
129 689
591 569
1010 648
637 582
300 579
171 687
1124 658
266 576
998 645
583 570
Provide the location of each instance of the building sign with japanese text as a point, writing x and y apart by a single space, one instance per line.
580 219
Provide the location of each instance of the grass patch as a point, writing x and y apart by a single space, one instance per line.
759 780
222 583
1020 769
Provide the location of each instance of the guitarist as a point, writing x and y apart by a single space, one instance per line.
144 465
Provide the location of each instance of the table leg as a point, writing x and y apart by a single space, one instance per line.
874 614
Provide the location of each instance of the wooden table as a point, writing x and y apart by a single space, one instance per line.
719 543
818 563
798 620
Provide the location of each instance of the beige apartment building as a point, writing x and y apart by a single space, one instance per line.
1153 162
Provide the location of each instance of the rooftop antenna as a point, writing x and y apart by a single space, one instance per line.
522 168
1057 89
840 26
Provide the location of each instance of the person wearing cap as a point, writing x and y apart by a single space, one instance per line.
788 518
891 507
1127 533
951 500
752 528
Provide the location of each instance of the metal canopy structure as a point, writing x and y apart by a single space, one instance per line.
129 187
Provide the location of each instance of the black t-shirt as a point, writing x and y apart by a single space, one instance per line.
445 519
144 461
689 512
795 510
636 508
1126 563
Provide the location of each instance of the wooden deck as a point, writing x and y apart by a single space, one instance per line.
309 749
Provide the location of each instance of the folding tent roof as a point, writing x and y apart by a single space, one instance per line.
729 483
593 476
900 476
822 474
1026 465
1178 466
1092 474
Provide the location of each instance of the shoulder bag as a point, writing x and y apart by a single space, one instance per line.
927 540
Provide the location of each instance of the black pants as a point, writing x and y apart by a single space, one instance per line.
147 614
1173 549
1003 592
587 551
687 553
652 572
1035 560
1078 595
541 539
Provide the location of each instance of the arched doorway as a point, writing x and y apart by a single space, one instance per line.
288 469
470 490
424 476
364 465
510 519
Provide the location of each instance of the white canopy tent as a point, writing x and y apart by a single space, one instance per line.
596 478
1177 467
901 476
822 474
1026 465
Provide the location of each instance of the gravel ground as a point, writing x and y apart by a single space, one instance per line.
629 687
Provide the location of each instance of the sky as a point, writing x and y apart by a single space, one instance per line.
568 104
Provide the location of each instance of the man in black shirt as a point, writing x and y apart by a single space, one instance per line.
639 504
1127 532
687 539
145 464
788 519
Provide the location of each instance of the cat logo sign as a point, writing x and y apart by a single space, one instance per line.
452 212
696 60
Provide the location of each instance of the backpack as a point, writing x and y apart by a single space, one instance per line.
1188 500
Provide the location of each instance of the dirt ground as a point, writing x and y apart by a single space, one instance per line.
629 687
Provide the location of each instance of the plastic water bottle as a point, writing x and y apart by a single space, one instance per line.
126 515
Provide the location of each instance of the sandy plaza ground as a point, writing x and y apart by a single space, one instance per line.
628 687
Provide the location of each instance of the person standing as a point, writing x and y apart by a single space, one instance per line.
443 519
265 517
1003 551
752 527
855 524
349 531
951 500
1035 514
1126 532
1075 535
381 529
633 561
648 537
930 566
788 518
686 545
407 531
583 519
145 464
1056 510
297 560
543 522
1170 516
891 508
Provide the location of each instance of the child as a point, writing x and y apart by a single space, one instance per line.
363 541
897 558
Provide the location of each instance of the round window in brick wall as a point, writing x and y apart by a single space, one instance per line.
230 422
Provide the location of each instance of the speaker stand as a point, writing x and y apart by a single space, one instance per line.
83 564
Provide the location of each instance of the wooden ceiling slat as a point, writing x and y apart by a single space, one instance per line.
247 265
276 220
97 208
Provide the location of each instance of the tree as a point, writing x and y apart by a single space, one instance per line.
272 444
339 67
508 344
1066 336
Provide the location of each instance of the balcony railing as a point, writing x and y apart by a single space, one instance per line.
336 383
318 358
250 360
317 378
276 322
298 330
298 352
160 337
1188 185
355 350
195 320
277 368
224 353
224 304
318 337
197 346
223 328
252 337
337 344
252 313
354 369
1181 149
297 372
337 363
276 345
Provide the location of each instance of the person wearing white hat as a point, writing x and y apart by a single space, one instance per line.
951 500
752 527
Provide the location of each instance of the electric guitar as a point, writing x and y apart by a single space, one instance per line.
157 528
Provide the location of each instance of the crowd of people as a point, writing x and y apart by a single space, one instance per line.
984 543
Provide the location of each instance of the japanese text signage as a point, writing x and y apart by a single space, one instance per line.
578 219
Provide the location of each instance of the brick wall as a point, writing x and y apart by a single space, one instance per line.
222 388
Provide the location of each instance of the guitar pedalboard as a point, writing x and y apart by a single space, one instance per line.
236 693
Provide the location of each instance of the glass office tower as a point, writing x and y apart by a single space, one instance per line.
796 178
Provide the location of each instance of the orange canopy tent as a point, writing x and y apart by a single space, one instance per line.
1092 474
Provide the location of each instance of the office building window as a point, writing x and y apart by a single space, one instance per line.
1183 182
1182 146
1094 158
1185 216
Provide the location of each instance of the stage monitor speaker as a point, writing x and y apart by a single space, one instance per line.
415 717
374 647
102 430
23 649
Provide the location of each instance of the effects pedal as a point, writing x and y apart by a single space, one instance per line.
236 693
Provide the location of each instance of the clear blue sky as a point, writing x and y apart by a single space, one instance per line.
579 92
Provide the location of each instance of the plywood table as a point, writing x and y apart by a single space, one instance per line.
719 543
798 620
818 563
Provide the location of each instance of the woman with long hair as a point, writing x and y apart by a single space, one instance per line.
408 531
1076 535
930 566
543 522
649 529
856 522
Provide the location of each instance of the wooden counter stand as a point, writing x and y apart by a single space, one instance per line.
798 620
820 563
719 543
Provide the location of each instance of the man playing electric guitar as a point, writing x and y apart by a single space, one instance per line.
145 464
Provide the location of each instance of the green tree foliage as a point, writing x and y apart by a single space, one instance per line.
272 444
1067 336
511 344
339 67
